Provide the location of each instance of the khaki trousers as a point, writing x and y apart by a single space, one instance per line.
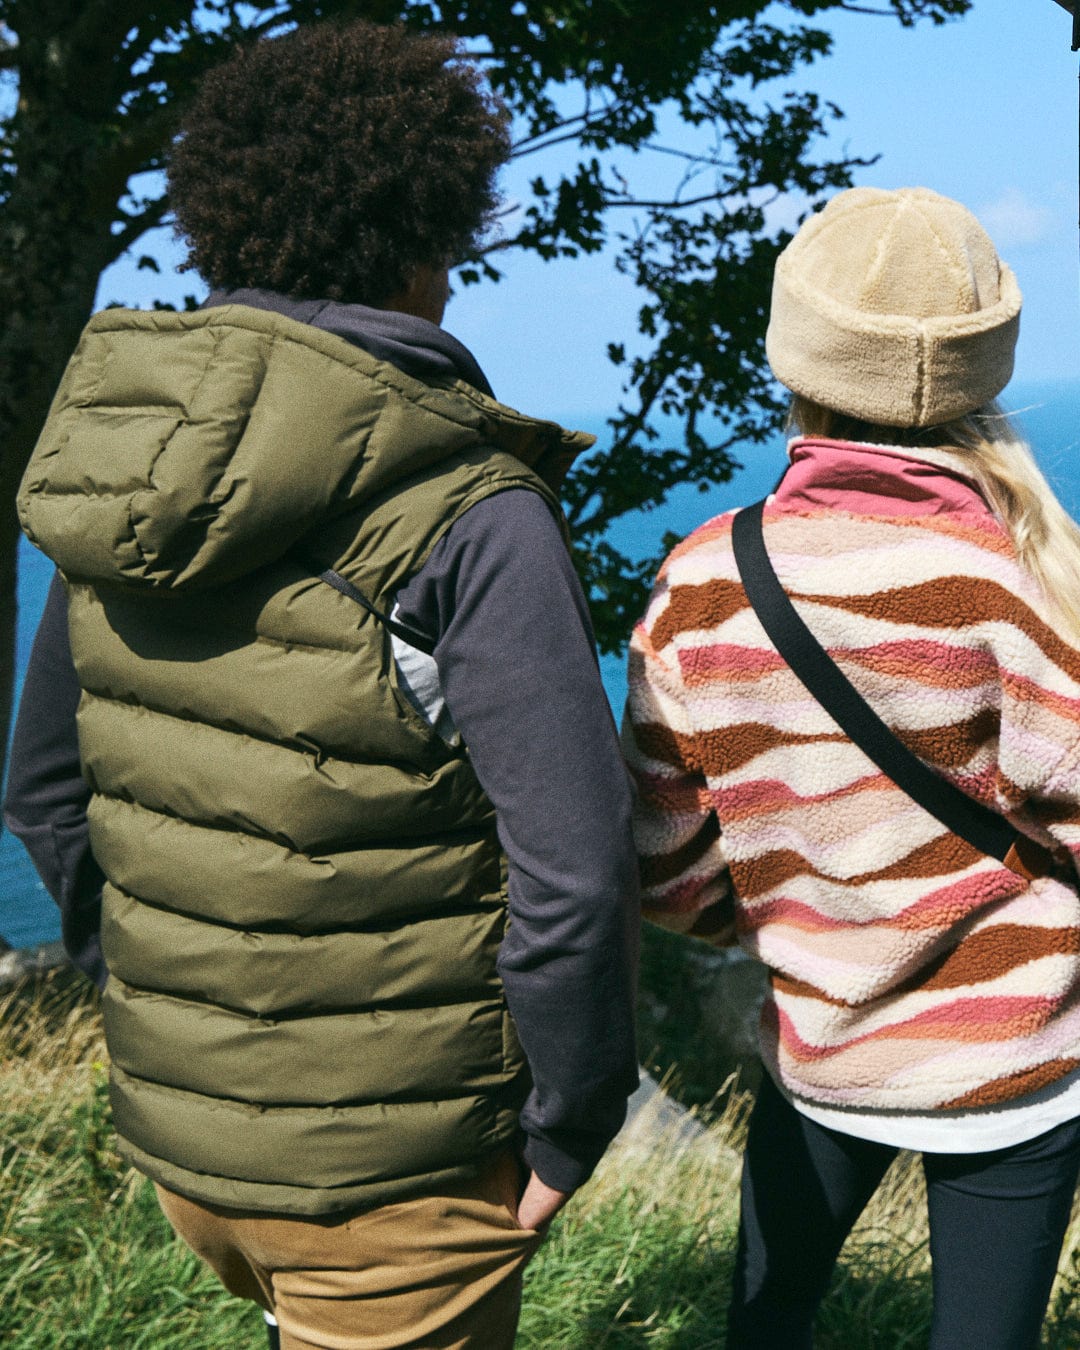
440 1272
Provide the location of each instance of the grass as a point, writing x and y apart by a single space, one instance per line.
642 1258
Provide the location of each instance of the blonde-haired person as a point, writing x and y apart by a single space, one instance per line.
922 995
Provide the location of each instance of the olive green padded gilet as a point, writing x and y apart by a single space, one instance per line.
306 893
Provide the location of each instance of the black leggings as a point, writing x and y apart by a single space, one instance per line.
997 1221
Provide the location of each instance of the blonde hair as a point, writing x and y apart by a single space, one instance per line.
1046 538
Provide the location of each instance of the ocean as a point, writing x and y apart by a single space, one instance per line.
1049 415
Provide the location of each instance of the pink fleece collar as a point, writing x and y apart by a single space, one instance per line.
879 480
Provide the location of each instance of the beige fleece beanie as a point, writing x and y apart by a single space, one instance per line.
895 308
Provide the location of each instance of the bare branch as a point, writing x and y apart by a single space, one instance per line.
555 140
694 157
675 204
865 9
526 144
530 144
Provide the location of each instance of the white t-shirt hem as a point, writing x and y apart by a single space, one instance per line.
980 1131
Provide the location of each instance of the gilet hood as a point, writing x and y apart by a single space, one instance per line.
185 450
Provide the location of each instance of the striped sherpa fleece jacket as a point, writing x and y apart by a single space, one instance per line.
908 971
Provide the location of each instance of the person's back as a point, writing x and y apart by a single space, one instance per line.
847 889
340 720
922 994
269 809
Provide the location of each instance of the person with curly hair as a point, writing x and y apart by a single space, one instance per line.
274 184
342 829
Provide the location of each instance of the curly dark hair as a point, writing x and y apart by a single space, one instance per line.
334 161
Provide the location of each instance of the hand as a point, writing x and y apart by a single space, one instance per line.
539 1203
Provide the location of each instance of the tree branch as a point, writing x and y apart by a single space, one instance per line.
531 144
264 25
137 225
141 142
691 155
675 204
546 145
865 9
522 239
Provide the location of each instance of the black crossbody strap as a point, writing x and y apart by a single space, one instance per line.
808 659
408 635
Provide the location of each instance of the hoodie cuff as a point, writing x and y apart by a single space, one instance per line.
558 1167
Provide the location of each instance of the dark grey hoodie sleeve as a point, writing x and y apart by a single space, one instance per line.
46 800
516 661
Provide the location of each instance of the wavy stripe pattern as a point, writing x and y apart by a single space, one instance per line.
909 971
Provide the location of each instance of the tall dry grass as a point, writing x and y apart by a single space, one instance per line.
656 1232
641 1258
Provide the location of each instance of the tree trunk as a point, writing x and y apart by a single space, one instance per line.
55 239
9 538
32 359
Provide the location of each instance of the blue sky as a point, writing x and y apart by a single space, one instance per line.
983 109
